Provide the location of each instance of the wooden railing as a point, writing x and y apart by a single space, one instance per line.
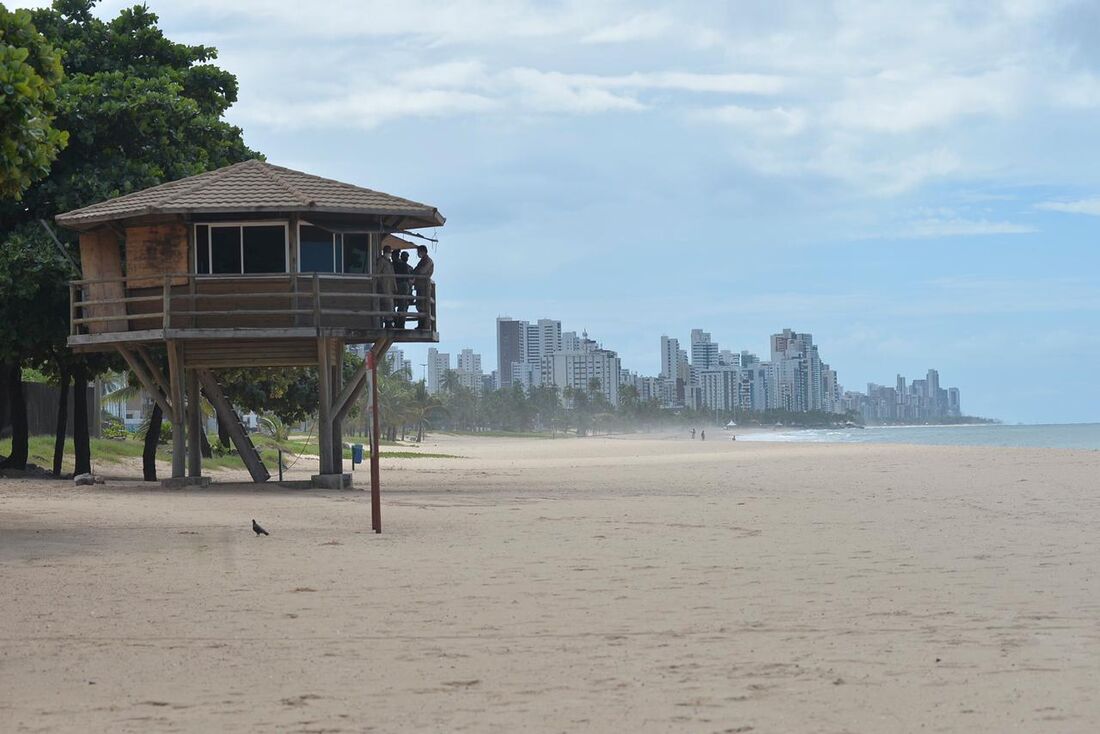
268 301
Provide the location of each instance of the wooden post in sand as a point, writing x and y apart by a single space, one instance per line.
375 474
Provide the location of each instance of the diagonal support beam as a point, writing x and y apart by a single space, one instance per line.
237 435
153 367
151 385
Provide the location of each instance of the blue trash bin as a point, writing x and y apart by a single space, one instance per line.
357 453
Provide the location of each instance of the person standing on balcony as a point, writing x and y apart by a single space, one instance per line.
403 287
422 280
384 286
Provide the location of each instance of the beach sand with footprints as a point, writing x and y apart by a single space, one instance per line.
600 584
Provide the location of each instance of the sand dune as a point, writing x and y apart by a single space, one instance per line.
641 584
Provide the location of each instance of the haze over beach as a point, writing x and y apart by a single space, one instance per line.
568 366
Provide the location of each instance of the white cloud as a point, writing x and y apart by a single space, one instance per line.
764 122
643 27
880 97
910 100
1080 206
555 92
933 228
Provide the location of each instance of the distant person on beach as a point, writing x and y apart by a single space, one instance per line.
702 435
403 287
383 271
423 272
692 434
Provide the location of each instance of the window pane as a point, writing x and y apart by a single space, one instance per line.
265 249
225 246
339 252
315 250
357 253
202 248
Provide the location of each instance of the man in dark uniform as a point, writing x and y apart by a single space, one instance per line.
403 287
422 279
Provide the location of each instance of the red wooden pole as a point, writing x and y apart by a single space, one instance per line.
375 475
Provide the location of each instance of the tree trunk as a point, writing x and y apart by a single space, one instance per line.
223 434
62 421
4 414
204 445
152 438
81 440
17 405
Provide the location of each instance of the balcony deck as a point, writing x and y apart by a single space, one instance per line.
268 311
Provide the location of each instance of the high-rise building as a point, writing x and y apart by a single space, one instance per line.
438 365
398 364
676 371
704 352
469 361
468 370
578 369
670 349
511 347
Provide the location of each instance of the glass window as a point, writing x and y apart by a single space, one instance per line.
225 249
357 253
264 249
339 239
202 249
315 250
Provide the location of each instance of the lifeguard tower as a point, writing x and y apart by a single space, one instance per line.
251 265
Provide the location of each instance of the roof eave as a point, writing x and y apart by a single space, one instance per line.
409 219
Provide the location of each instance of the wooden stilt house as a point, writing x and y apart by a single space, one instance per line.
249 265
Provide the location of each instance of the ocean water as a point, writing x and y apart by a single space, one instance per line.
1053 436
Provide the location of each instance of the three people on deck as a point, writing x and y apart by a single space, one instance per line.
397 283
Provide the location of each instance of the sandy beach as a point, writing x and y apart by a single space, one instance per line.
607 584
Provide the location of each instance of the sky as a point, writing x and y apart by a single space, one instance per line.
917 184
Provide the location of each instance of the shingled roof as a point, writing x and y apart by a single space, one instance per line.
254 186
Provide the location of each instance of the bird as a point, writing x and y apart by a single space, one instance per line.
257 529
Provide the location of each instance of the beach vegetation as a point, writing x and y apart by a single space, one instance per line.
138 109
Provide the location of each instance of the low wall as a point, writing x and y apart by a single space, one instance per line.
42 411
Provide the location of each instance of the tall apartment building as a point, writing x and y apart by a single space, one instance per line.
577 369
543 337
704 352
398 364
511 347
468 370
438 365
469 361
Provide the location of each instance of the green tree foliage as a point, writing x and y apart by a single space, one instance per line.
30 71
140 109
288 394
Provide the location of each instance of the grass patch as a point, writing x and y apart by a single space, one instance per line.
108 451
414 455
104 450
505 434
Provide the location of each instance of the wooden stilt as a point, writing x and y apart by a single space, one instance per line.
337 427
375 474
324 407
179 427
194 425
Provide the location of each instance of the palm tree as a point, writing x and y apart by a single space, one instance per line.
422 408
450 382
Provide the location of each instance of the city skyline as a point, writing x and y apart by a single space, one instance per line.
792 378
